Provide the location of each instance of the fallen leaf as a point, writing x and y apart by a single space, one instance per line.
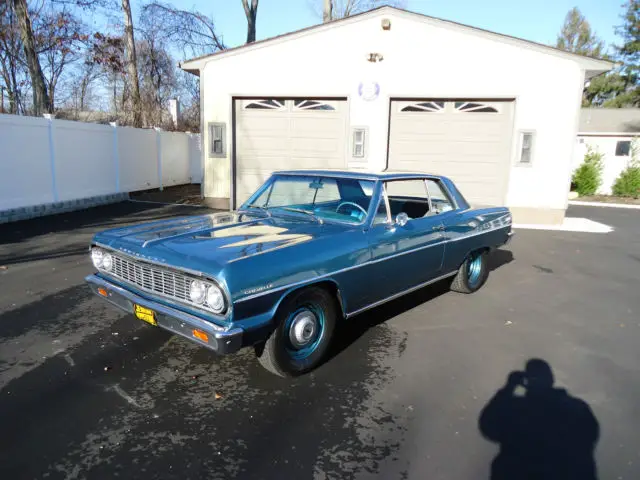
218 396
3 267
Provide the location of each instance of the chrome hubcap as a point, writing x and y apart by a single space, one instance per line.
303 328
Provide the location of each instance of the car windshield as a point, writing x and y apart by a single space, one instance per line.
321 198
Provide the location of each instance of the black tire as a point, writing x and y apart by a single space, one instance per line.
472 274
278 354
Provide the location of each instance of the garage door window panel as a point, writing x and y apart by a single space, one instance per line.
266 104
424 107
473 107
316 105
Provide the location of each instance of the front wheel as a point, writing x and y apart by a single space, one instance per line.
472 273
305 323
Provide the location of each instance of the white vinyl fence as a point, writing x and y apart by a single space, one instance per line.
48 161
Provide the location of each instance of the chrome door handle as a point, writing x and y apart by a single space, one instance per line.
438 228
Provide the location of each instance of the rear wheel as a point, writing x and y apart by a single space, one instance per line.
472 273
305 323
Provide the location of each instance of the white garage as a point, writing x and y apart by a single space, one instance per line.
392 89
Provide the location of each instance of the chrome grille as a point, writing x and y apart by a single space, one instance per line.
151 278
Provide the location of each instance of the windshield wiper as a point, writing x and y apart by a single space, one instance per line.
260 207
300 210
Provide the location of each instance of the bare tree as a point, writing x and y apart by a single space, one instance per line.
327 11
13 71
132 65
251 11
60 38
335 9
191 31
41 101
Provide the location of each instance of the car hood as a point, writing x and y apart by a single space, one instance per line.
207 243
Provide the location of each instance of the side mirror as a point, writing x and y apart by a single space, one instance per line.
402 219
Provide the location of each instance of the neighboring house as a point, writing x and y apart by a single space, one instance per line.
394 89
609 131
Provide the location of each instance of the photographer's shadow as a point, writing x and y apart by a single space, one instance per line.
544 433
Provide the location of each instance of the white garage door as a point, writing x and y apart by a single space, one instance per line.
281 134
466 140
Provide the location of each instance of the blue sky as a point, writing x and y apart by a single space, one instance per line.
539 20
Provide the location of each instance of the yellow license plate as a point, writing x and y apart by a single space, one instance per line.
145 314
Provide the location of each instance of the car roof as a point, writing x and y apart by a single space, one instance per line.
359 174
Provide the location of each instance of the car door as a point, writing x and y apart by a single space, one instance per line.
406 240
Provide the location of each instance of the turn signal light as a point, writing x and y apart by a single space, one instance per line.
102 292
199 334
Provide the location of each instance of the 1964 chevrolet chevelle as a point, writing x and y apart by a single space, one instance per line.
308 249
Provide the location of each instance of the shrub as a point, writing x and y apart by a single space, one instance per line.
588 176
628 183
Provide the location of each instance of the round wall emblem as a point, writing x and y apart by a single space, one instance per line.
368 90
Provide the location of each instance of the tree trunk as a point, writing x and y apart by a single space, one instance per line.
327 12
41 101
132 66
251 11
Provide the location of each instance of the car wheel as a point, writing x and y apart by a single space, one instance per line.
472 273
305 323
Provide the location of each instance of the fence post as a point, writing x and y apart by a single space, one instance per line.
116 154
159 150
52 156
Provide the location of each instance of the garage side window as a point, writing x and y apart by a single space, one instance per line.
359 142
623 147
525 154
217 139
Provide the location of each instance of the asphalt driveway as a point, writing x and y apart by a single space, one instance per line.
414 389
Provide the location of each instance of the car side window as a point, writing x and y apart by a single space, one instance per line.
440 201
408 196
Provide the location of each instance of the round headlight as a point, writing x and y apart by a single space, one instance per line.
96 257
197 292
107 262
215 299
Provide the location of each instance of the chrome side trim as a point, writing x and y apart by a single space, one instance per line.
399 294
370 262
336 272
475 234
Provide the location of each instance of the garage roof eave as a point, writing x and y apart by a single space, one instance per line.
190 67
592 66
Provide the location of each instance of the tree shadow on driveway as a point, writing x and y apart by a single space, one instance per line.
348 331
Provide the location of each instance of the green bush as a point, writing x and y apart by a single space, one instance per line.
588 176
628 183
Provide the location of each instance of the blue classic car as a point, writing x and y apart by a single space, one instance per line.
305 251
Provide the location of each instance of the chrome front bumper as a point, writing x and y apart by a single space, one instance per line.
219 339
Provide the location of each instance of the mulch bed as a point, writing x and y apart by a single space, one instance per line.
180 194
610 199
